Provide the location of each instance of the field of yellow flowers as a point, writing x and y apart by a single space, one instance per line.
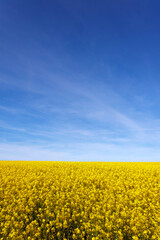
69 200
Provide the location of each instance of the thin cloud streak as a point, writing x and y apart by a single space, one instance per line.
4 125
79 152
93 99
92 106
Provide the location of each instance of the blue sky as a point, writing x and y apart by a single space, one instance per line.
80 80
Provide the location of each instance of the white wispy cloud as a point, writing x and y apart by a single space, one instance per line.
114 124
4 125
79 152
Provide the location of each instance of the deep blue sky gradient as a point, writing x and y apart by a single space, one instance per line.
80 80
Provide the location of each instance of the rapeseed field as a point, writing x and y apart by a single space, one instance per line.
66 200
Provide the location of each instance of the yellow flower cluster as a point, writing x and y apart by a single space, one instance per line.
66 200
